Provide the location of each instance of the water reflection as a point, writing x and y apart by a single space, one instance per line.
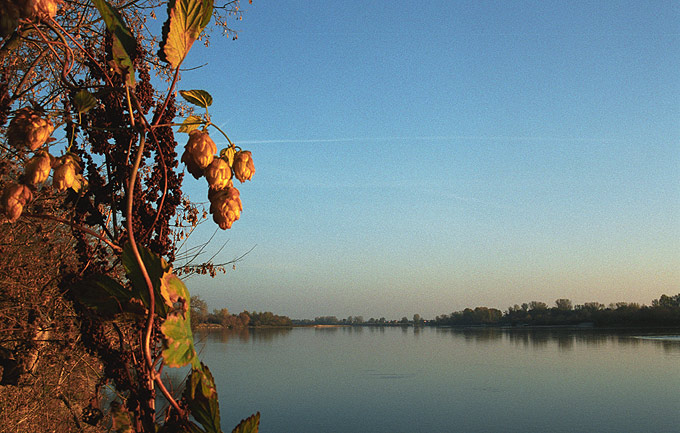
564 339
244 335
535 338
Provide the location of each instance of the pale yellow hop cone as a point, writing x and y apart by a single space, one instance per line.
225 206
64 176
244 168
43 8
218 174
37 169
14 198
198 152
28 129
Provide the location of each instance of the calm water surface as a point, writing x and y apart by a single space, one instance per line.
327 380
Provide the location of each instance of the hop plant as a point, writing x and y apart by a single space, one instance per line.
198 152
65 169
28 129
218 174
37 169
41 8
244 168
14 198
225 206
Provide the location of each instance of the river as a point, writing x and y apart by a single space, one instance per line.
372 379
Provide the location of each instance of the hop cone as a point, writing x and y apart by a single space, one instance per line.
218 174
37 169
244 168
64 173
198 152
28 129
225 206
14 198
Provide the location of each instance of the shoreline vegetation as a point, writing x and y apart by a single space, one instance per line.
663 312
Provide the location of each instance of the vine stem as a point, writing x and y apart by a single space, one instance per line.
167 97
223 133
140 262
152 299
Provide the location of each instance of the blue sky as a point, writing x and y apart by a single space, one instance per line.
426 157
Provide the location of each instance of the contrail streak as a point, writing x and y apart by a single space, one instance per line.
428 138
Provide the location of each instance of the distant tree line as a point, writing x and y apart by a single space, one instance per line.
664 311
222 317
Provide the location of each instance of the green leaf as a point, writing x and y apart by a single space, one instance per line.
84 101
155 267
191 123
178 344
201 396
186 20
197 97
103 294
248 425
124 43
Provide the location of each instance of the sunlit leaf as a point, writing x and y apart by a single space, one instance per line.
190 123
186 20
84 101
124 43
197 97
155 267
248 425
178 342
201 396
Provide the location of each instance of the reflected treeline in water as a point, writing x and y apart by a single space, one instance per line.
244 335
565 339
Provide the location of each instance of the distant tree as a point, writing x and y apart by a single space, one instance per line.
537 306
199 310
404 320
417 319
563 304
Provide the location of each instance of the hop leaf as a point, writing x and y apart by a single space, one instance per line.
197 97
186 20
124 43
248 425
84 101
191 123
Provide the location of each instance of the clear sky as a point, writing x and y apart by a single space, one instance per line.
425 157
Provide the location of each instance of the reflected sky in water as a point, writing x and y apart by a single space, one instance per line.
445 380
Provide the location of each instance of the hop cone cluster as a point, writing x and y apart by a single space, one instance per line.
28 129
200 159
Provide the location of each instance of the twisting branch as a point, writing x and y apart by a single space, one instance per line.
76 226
